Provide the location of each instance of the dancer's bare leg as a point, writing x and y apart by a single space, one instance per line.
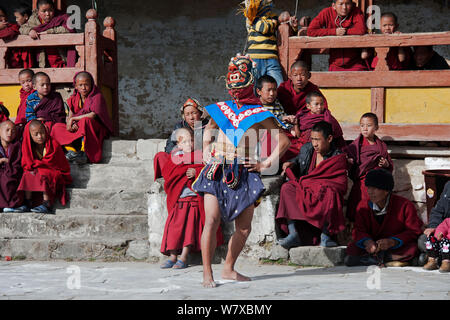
243 226
209 241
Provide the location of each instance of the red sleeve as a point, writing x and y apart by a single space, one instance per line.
359 25
361 229
318 24
10 31
412 222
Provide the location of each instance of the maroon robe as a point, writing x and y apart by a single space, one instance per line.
186 217
11 31
316 198
326 23
401 222
307 122
10 175
51 109
392 59
52 53
94 130
365 158
295 103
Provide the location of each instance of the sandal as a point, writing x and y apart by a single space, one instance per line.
167 265
41 209
180 265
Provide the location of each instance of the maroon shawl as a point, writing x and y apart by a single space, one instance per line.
60 19
51 108
10 31
295 103
320 194
307 121
10 175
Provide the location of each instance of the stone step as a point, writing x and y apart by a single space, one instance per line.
142 149
74 249
136 175
32 225
125 201
317 256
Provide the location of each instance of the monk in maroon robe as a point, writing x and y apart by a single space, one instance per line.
365 153
292 93
386 228
88 122
342 18
4 113
10 167
310 209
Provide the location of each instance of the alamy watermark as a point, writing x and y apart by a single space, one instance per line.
74 280
374 280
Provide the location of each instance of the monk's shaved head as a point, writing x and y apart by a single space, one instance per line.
7 132
5 123
300 64
36 124
27 72
40 75
83 75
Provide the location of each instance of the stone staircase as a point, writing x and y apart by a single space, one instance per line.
106 218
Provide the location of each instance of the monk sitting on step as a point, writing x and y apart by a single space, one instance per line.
26 83
184 224
10 168
386 227
88 122
310 209
46 169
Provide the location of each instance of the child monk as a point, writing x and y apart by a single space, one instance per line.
7 30
292 93
425 58
367 152
88 122
184 225
43 103
47 20
315 103
342 18
46 169
22 14
10 168
26 83
398 58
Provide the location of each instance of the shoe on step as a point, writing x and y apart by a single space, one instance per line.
41 209
432 264
291 241
71 155
326 241
445 266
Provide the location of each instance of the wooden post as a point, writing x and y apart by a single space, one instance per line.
378 100
2 58
91 36
110 33
283 47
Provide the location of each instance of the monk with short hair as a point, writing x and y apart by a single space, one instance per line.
310 209
292 93
341 19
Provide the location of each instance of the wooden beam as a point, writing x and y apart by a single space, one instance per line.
403 132
57 75
387 79
378 98
371 41
67 39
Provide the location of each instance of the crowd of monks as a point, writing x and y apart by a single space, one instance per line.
37 147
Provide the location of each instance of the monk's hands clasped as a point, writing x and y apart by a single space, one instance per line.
190 173
370 246
385 244
341 31
383 163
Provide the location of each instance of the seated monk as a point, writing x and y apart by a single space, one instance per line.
43 103
8 31
46 169
386 228
184 224
342 18
292 93
310 209
47 20
315 103
26 83
266 90
398 58
88 122
10 168
425 58
365 153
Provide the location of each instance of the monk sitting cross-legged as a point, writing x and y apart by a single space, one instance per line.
46 169
310 209
88 122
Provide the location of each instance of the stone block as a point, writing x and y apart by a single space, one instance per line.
122 149
138 249
317 256
147 148
437 163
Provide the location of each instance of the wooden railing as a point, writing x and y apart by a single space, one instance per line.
97 54
293 48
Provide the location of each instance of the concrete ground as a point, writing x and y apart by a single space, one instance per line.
24 280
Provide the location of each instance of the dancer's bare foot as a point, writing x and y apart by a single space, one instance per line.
233 275
208 282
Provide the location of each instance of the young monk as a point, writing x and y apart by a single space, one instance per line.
7 30
15 57
310 209
184 225
386 227
47 20
366 153
398 58
292 93
425 58
88 122
4 113
26 83
231 181
342 18
46 169
22 14
266 90
10 168
43 103
315 103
